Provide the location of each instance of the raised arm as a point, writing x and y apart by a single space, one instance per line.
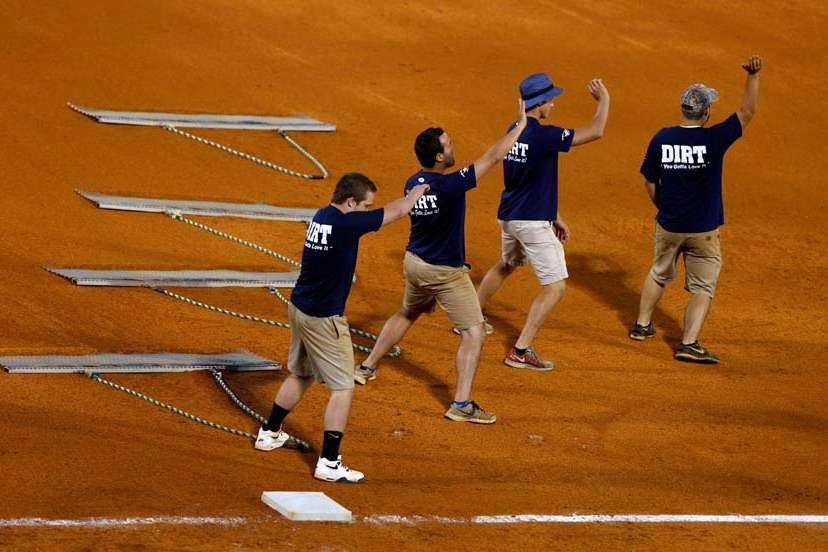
750 97
400 207
502 146
595 128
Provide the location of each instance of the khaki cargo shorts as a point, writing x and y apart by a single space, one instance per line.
702 259
534 242
427 285
321 347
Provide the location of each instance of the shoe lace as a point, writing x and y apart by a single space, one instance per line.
475 407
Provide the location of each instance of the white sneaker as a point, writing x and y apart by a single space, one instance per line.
336 471
363 374
269 440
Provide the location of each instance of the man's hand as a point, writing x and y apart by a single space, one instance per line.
595 128
400 207
417 191
597 89
750 97
753 65
561 229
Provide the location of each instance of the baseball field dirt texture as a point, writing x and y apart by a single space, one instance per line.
618 427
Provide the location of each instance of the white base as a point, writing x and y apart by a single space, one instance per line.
301 506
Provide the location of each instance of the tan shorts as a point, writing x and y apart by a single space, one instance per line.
702 259
321 347
534 242
427 285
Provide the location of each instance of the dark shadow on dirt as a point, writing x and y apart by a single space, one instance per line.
604 278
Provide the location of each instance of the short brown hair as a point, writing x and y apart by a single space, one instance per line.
352 184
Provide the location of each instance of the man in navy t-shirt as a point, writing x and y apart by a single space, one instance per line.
683 173
320 345
532 229
435 262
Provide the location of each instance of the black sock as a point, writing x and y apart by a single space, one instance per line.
277 416
520 352
330 445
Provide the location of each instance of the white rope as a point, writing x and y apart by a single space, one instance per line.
258 160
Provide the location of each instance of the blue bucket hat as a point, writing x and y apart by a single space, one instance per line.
538 88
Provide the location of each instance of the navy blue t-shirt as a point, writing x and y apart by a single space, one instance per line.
438 218
329 259
685 163
530 173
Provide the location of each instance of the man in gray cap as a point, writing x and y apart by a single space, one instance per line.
683 175
532 229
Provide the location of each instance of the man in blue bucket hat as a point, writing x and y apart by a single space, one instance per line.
532 230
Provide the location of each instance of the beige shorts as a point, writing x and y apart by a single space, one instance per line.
426 285
702 259
321 347
534 242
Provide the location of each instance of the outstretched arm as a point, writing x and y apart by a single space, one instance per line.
400 207
595 128
750 97
501 147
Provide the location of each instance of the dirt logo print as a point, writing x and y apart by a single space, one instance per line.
317 236
677 156
426 205
518 153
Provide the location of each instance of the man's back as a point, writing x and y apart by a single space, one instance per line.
329 259
438 218
686 164
530 173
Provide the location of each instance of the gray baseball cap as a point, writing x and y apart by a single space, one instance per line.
696 98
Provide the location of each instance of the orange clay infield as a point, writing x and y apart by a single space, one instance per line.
618 426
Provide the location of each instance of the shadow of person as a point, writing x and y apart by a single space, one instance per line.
252 388
604 279
437 386
505 330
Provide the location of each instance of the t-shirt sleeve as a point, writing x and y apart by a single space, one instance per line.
461 181
557 138
652 162
362 222
727 132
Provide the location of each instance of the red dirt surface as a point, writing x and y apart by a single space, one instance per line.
618 427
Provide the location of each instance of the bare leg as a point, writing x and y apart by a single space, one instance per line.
694 316
492 281
651 294
541 307
392 333
291 391
468 357
339 406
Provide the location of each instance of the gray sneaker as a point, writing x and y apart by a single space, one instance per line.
694 352
470 413
364 374
530 360
640 333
